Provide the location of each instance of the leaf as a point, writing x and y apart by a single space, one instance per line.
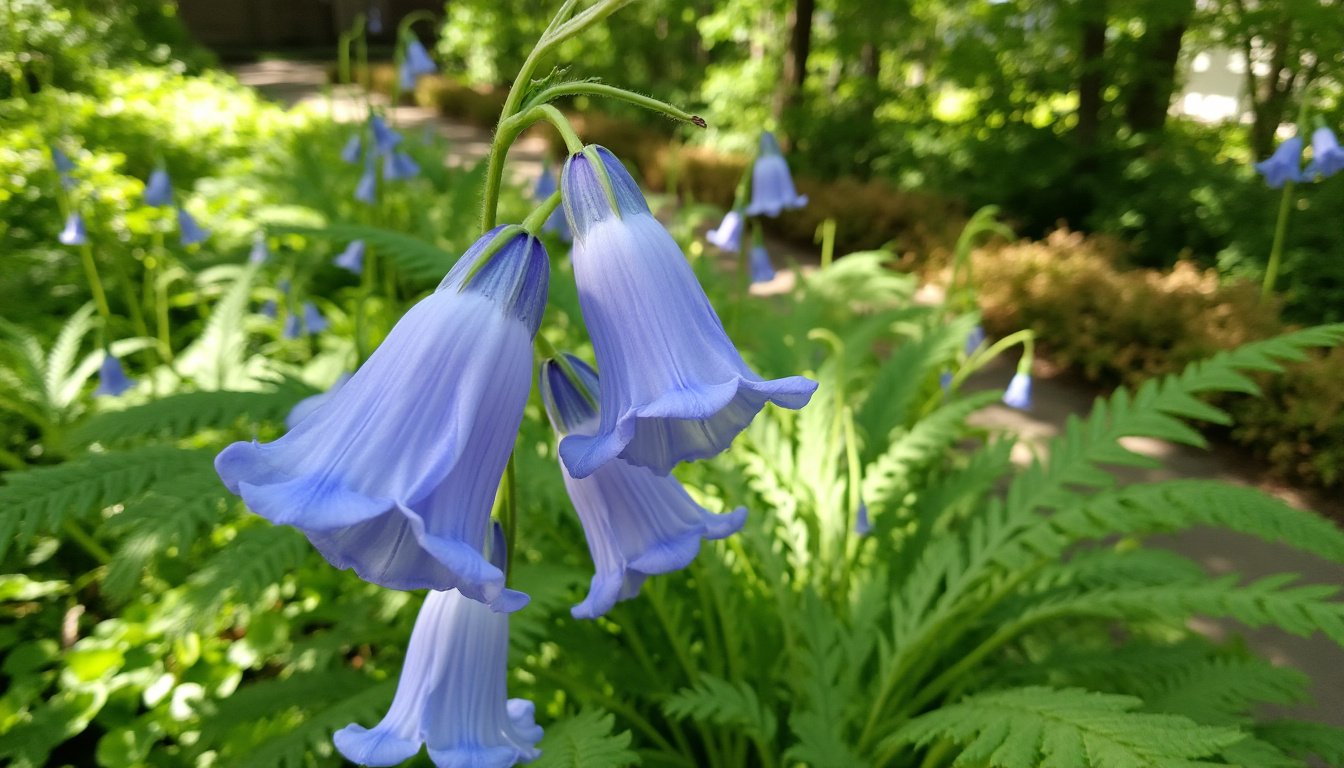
585 741
183 414
416 258
714 700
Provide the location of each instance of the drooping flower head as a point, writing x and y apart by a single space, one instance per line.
159 189
352 258
728 237
399 165
395 476
772 188
415 63
292 328
1284 165
259 254
674 387
862 525
1018 394
74 232
112 378
351 151
452 695
60 160
313 320
384 138
545 187
637 523
366 191
974 339
305 407
188 230
762 271
1327 158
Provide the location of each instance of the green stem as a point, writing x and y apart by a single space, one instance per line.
827 233
1280 235
576 687
86 542
537 219
95 284
602 90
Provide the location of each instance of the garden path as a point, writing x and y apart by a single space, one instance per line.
1056 397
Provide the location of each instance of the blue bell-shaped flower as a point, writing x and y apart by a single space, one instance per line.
384 138
399 165
674 388
351 151
313 321
352 258
415 63
772 188
112 378
1327 158
1284 165
366 191
637 523
188 230
159 189
396 475
259 254
728 237
60 160
74 232
1018 393
761 269
305 407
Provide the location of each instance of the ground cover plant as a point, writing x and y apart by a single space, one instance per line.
222 548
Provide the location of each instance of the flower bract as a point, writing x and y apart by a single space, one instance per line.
674 387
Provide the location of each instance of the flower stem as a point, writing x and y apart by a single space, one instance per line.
537 219
95 283
1280 235
602 90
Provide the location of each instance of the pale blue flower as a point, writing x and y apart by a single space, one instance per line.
159 189
637 523
112 379
60 160
728 237
375 20
351 151
674 387
761 269
308 405
259 254
399 165
292 328
384 138
862 525
415 63
1327 158
352 258
772 188
1018 394
1284 165
366 191
395 476
974 339
74 232
188 230
313 321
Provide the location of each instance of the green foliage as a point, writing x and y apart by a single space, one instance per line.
584 740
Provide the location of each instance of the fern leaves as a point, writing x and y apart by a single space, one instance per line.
189 412
718 701
1064 728
586 741
416 258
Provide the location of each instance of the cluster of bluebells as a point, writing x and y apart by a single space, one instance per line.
1285 165
393 473
379 142
771 193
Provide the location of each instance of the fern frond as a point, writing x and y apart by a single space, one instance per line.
41 499
891 396
1064 728
189 412
1305 739
586 741
825 686
292 748
258 557
215 359
420 260
714 700
61 359
1222 691
256 700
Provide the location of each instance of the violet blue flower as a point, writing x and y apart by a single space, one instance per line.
1018 394
259 254
159 189
188 230
761 269
1284 165
292 328
556 222
350 152
74 232
269 309
452 695
637 523
772 188
974 339
384 138
945 380
352 258
305 407
1327 158
728 237
60 160
366 191
375 20
313 321
396 475
112 378
862 525
399 165
415 63
674 386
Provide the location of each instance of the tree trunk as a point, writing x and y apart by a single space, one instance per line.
1150 94
1091 77
795 56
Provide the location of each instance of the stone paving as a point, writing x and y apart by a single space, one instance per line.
1055 399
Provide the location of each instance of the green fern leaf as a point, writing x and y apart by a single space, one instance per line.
272 696
1064 728
416 258
714 700
41 499
1223 691
215 359
586 741
183 414
292 747
1305 739
259 557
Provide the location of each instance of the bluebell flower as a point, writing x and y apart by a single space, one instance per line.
366 191
351 151
556 222
1284 165
112 378
313 320
269 308
384 138
761 269
1018 394
308 405
1327 158
674 387
188 230
945 380
772 188
352 258
74 232
416 60
452 695
728 237
399 165
159 189
637 523
292 328
862 525
974 339
396 475
60 160
375 20
259 254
